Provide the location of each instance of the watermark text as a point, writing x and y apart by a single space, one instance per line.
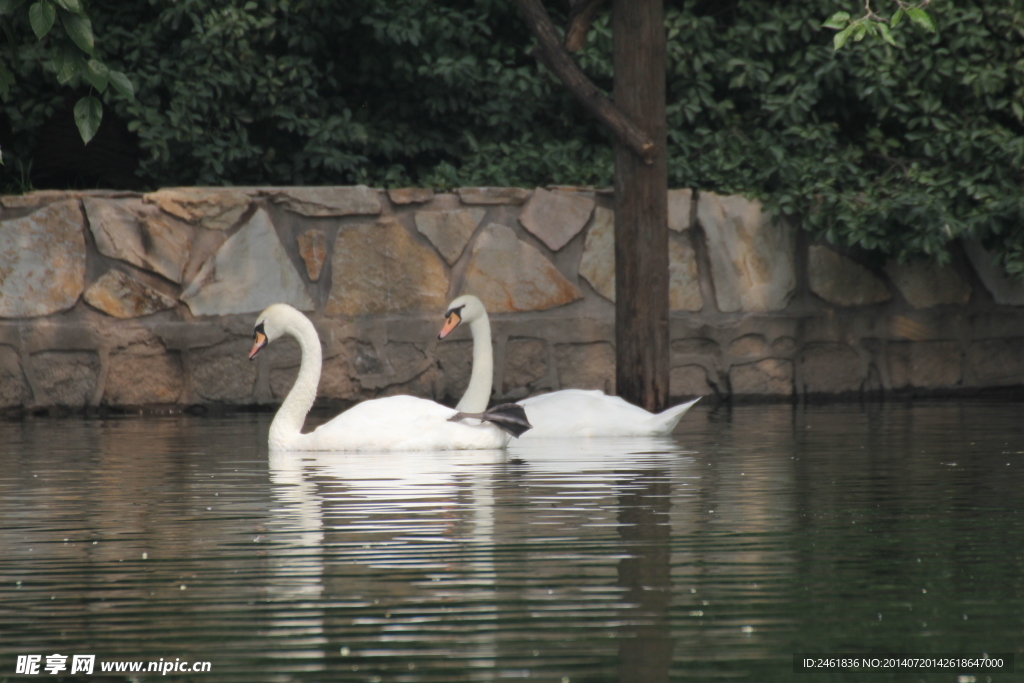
58 664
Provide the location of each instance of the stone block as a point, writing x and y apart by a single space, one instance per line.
378 268
831 368
995 362
683 282
250 271
356 200
42 261
1004 289
586 366
842 282
766 377
493 195
680 209
556 217
409 371
65 378
689 380
143 376
749 345
338 376
597 265
362 357
410 195
313 250
139 234
696 347
449 231
223 374
122 296
752 258
925 365
211 207
405 360
35 199
924 284
336 380
784 346
511 275
455 359
525 363
14 390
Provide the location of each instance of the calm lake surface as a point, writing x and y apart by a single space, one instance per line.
755 533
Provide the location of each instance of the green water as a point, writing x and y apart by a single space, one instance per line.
755 533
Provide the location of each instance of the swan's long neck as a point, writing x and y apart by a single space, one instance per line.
478 393
287 425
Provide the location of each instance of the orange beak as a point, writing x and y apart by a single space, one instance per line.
260 340
450 323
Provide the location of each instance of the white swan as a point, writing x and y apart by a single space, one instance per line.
565 413
395 423
578 412
470 310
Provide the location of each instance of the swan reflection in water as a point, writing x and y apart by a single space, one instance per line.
414 530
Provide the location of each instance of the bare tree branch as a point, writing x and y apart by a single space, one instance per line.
556 58
581 16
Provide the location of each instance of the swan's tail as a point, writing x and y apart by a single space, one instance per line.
664 422
510 417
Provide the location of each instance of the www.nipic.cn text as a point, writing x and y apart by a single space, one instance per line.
86 664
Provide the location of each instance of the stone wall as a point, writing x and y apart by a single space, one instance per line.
124 300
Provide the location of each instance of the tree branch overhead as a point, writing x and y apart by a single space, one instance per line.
557 59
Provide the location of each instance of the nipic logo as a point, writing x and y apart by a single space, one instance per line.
34 665
55 664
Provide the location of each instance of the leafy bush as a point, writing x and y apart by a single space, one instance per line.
896 149
899 150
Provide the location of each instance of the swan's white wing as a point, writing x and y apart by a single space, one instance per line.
401 423
580 413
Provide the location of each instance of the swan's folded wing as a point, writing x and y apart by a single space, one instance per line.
401 423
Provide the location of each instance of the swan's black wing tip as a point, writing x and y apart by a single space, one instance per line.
511 417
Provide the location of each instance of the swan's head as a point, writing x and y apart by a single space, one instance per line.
272 323
464 309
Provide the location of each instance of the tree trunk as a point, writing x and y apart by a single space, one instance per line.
641 208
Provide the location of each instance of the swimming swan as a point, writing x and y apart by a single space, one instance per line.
395 423
565 413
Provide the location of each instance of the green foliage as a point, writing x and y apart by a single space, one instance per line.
895 150
70 55
871 24
899 143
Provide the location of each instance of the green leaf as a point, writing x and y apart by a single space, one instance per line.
922 19
68 63
886 35
840 38
9 6
837 20
41 16
88 114
859 31
79 29
897 17
97 73
71 5
121 84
